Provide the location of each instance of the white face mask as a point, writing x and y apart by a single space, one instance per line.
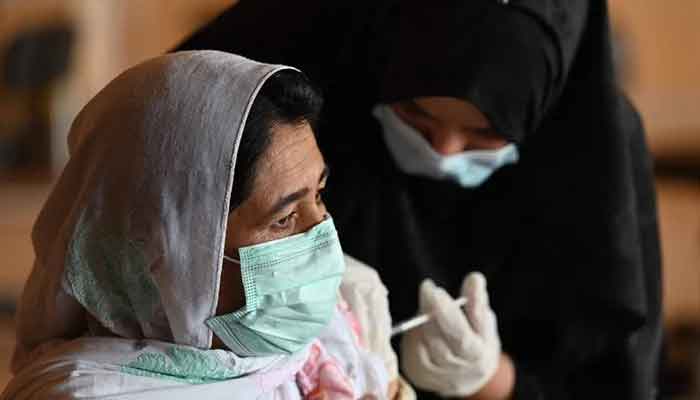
415 156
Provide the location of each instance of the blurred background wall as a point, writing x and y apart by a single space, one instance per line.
659 48
56 54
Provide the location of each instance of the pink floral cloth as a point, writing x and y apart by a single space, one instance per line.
322 376
352 320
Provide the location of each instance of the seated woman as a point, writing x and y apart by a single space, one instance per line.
186 253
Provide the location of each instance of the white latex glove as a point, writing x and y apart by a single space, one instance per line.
367 298
458 351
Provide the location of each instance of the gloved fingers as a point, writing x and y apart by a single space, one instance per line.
450 325
424 371
418 365
415 362
425 296
457 352
488 324
453 326
442 309
474 289
478 310
443 355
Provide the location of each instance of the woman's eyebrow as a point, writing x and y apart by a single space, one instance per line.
288 199
292 197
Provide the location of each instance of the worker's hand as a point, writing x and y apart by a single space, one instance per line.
367 298
458 351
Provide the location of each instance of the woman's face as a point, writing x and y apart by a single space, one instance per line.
450 125
285 200
286 197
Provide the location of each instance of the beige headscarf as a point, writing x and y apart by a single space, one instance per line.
129 248
131 238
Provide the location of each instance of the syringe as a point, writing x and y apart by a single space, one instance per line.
419 320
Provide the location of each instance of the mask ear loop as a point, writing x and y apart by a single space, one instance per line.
233 260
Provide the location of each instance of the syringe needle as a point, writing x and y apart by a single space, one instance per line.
419 320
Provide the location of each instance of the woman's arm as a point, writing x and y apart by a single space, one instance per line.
367 298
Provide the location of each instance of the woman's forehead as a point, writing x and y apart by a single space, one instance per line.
454 110
291 162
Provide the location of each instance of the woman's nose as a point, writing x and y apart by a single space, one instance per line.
447 141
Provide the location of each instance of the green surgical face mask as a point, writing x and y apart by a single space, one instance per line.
291 291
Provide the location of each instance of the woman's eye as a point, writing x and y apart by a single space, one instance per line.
286 221
319 196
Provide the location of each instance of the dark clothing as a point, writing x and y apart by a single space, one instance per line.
567 238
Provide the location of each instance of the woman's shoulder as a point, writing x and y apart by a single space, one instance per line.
66 372
360 275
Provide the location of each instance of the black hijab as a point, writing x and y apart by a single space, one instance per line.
567 237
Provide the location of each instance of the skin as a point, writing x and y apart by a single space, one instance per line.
451 126
286 200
